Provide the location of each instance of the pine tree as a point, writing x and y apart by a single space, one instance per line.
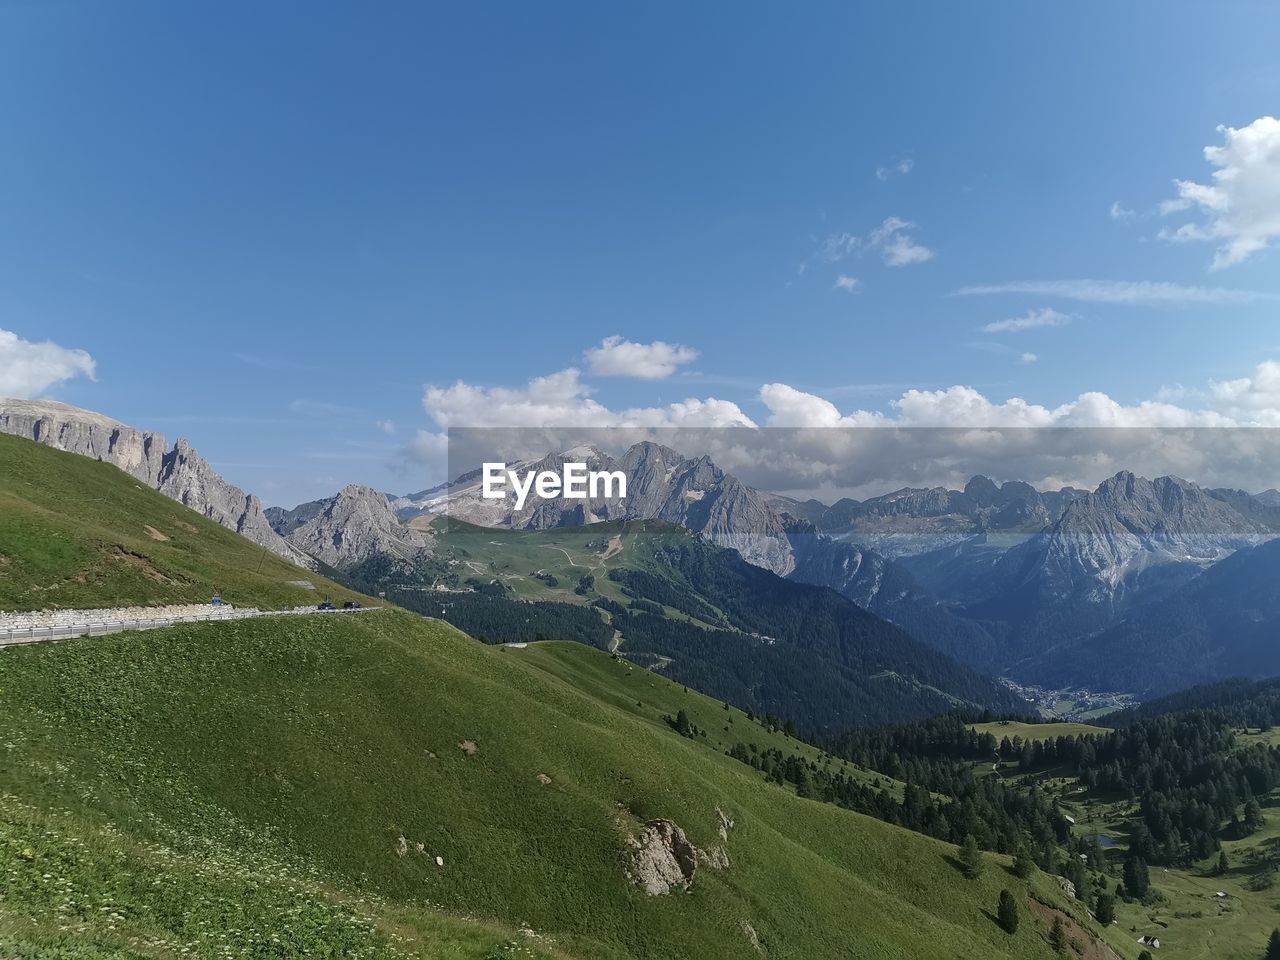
1023 865
804 785
1223 864
970 858
1058 935
1007 912
1273 946
1253 818
1105 910
683 726
1137 881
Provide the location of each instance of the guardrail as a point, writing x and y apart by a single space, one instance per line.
13 638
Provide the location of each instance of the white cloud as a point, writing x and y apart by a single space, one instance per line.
1141 292
847 283
386 426
899 168
1241 207
556 400
962 406
1009 437
28 369
892 240
1121 213
616 357
789 407
1028 358
1045 317
1253 399
563 400
896 246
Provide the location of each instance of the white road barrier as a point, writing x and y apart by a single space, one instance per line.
97 626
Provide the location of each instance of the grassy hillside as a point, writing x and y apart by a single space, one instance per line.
247 786
699 613
78 533
653 698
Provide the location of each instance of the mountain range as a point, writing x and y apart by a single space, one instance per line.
380 785
1003 577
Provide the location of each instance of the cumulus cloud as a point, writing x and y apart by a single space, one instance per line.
963 406
1240 208
789 407
1046 317
616 357
847 284
386 426
922 438
563 400
892 240
1028 358
28 369
1138 292
1252 399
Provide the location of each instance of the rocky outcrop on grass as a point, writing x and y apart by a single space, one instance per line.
662 858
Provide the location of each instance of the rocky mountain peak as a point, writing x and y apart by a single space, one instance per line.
981 490
355 524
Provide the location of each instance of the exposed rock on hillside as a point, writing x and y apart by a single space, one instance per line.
662 858
180 473
353 526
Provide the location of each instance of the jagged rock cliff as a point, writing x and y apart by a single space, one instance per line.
915 520
180 473
136 452
1126 530
354 525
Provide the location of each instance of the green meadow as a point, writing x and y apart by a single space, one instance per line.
244 788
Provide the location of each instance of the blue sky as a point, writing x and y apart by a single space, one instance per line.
272 226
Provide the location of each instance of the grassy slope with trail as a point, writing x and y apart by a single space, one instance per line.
212 753
650 697
700 614
78 533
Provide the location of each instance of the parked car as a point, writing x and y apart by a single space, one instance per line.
351 605
327 605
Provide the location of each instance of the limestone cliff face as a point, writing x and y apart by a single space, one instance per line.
180 473
138 453
188 478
